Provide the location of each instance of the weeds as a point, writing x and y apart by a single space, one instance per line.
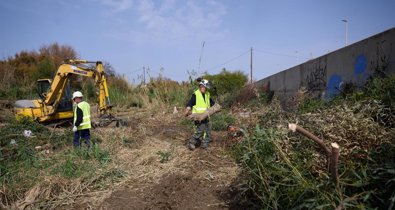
22 166
221 121
164 156
283 176
288 172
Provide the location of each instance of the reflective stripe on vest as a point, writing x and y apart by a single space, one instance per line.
86 115
201 104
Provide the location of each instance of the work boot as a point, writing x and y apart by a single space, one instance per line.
198 143
191 146
204 145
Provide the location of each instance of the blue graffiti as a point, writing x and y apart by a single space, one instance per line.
333 87
360 64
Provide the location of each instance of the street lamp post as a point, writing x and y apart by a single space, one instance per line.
346 23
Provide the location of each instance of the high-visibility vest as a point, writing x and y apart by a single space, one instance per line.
202 104
86 115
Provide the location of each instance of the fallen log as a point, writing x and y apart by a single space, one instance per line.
201 116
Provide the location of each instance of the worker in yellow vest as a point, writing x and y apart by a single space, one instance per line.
199 103
82 120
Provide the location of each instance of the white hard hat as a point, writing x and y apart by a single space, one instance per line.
77 94
205 83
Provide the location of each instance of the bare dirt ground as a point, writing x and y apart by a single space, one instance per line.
160 171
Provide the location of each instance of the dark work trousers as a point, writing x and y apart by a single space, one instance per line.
202 134
82 134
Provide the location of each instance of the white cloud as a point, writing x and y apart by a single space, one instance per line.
117 5
172 20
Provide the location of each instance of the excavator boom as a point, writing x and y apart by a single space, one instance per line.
46 108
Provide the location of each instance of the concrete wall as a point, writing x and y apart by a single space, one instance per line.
325 75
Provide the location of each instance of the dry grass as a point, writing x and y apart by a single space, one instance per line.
272 153
350 125
135 163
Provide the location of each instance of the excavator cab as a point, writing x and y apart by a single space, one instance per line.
65 104
43 85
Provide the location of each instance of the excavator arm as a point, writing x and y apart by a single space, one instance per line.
73 67
46 109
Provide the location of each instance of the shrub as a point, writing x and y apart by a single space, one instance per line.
221 121
45 69
283 175
382 89
226 83
21 165
310 105
168 92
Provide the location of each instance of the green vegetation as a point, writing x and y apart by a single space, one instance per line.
286 170
311 105
227 82
220 121
227 85
28 161
283 170
284 175
20 72
164 156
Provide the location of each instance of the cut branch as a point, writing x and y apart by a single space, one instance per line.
333 167
332 156
294 128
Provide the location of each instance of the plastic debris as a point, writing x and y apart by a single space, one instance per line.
13 142
28 133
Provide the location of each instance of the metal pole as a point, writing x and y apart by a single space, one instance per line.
347 33
346 25
251 67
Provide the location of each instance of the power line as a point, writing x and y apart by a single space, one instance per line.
135 71
279 54
228 61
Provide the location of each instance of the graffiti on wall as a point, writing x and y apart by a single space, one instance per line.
316 81
340 72
360 75
360 64
382 62
334 86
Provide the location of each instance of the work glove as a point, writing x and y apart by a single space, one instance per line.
187 111
75 129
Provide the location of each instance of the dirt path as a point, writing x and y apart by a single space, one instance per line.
161 173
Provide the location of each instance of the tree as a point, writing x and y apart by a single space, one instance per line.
45 69
57 53
109 69
227 82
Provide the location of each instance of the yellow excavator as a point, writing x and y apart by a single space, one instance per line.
55 102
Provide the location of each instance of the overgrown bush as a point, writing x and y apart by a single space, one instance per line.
18 74
221 121
283 175
253 95
382 89
227 84
27 160
287 171
227 81
169 92
20 162
310 105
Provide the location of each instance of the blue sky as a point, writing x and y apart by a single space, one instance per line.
132 34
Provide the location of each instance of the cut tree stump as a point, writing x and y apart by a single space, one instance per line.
332 156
